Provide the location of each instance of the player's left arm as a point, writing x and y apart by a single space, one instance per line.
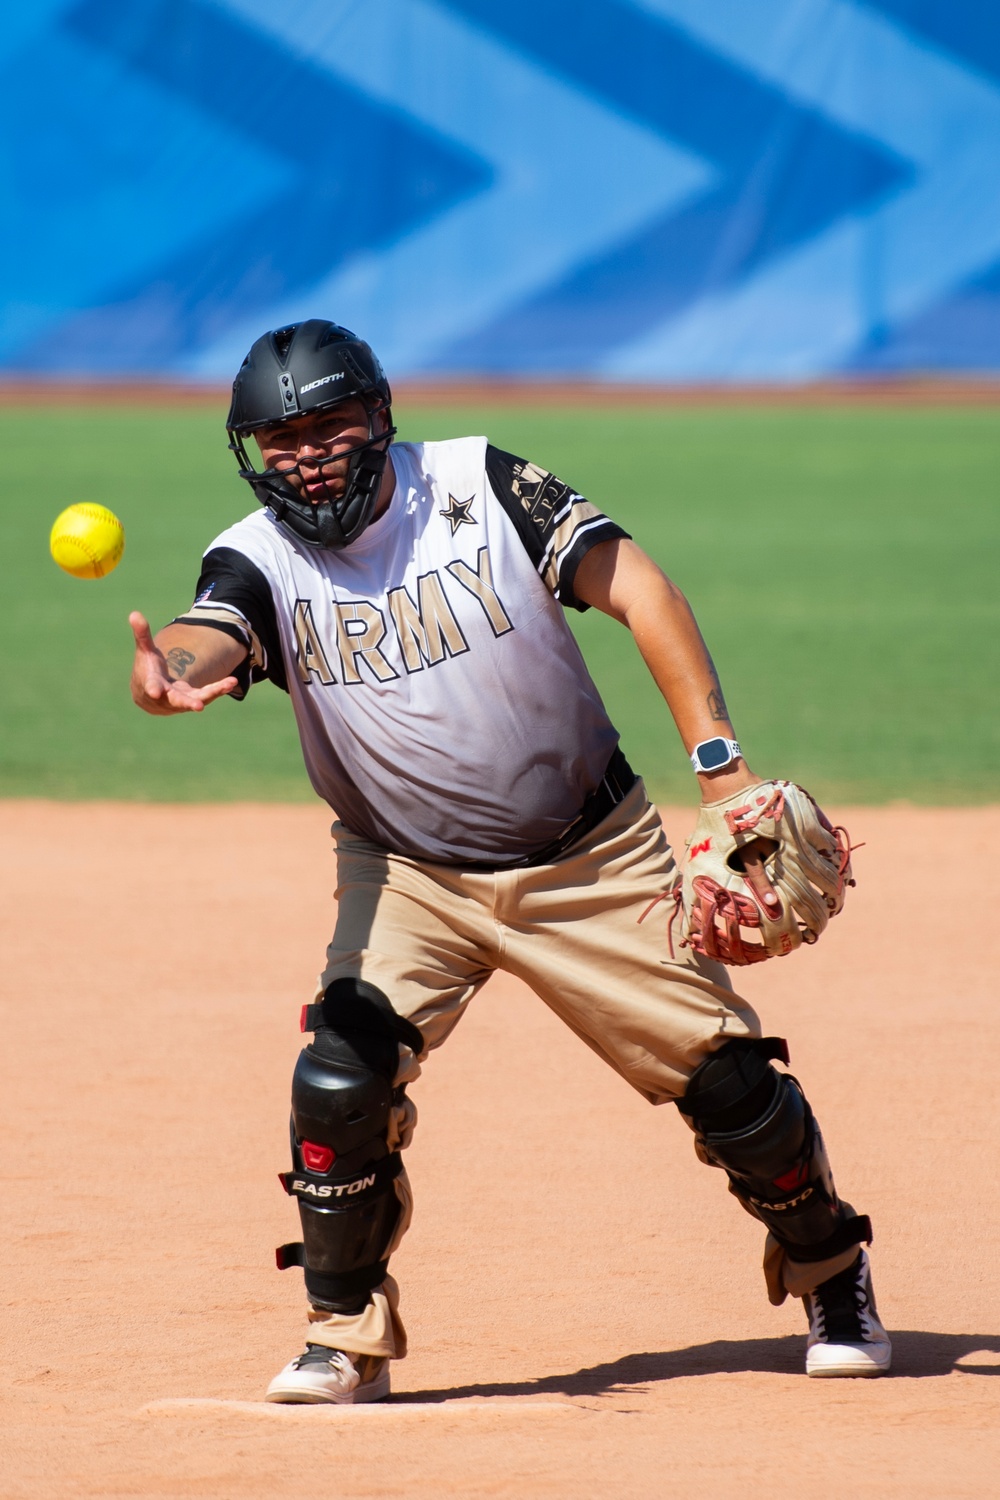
619 579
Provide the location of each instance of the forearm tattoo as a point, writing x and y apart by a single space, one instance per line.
715 700
179 660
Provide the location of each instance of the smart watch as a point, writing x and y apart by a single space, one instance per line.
712 755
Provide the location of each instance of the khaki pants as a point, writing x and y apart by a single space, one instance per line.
429 936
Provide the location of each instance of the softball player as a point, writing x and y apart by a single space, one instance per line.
409 598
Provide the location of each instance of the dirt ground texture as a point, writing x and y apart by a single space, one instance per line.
585 1304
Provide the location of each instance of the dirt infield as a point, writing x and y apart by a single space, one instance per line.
586 1311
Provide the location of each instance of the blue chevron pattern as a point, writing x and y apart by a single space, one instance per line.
663 190
754 135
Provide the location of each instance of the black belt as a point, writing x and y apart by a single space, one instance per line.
615 785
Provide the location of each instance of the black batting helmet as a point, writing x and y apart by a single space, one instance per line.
291 372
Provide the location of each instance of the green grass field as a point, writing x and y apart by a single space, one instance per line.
842 562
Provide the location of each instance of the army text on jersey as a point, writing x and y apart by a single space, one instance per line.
443 706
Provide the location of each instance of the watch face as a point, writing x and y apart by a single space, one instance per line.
714 753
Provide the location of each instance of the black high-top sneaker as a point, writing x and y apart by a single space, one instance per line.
330 1375
845 1335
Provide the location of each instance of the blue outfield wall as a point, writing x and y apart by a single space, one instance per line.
662 190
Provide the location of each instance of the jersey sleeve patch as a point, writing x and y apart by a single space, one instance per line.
233 595
556 524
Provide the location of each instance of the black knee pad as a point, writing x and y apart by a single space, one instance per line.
343 1171
734 1087
756 1124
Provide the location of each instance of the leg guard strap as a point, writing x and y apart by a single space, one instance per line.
326 1289
856 1230
353 1007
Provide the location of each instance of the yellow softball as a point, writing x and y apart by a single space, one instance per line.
87 541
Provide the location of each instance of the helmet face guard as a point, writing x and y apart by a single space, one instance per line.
297 371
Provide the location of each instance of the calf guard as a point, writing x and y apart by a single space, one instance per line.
343 1172
756 1124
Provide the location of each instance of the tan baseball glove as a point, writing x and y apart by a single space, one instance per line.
765 872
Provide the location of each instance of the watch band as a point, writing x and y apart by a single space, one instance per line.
718 753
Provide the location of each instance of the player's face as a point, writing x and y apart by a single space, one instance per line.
290 447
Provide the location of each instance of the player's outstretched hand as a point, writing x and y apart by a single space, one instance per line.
155 689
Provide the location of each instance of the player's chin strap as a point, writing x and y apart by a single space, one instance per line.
330 523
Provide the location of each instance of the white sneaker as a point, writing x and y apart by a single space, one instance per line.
845 1335
322 1374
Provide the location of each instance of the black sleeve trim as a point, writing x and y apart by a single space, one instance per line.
233 631
609 531
557 525
243 673
229 577
502 470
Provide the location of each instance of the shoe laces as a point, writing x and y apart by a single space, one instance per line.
840 1306
319 1354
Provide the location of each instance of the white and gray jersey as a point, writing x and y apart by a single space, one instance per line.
443 706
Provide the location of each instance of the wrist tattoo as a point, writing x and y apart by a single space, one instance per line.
179 660
715 700
717 707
